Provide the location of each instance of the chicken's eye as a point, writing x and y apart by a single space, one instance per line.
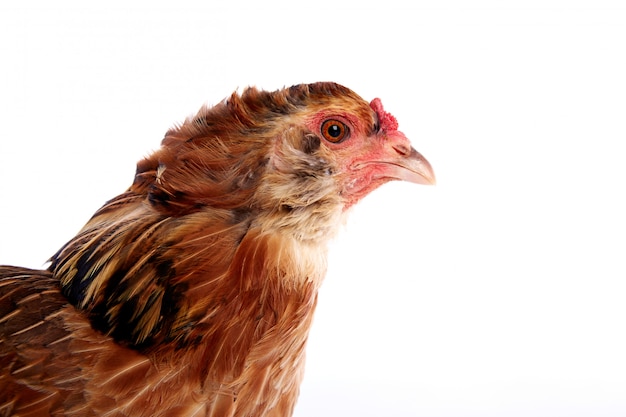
335 131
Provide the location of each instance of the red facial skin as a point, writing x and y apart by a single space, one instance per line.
370 156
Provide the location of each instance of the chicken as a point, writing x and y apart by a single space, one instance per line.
192 293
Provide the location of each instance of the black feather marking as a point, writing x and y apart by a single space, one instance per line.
76 289
99 312
310 143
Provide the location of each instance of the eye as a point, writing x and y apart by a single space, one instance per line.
335 131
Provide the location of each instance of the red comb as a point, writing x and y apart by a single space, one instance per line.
386 120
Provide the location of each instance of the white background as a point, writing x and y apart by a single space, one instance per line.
499 292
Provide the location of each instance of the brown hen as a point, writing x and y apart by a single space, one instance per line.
192 293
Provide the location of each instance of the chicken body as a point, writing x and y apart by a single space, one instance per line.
192 293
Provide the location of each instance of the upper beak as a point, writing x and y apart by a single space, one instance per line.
410 165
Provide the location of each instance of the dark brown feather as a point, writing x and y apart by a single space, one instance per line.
39 375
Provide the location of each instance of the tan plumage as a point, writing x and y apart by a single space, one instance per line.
192 293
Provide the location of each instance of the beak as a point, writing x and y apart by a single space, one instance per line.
409 165
395 159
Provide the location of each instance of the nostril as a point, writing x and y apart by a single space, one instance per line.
402 148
